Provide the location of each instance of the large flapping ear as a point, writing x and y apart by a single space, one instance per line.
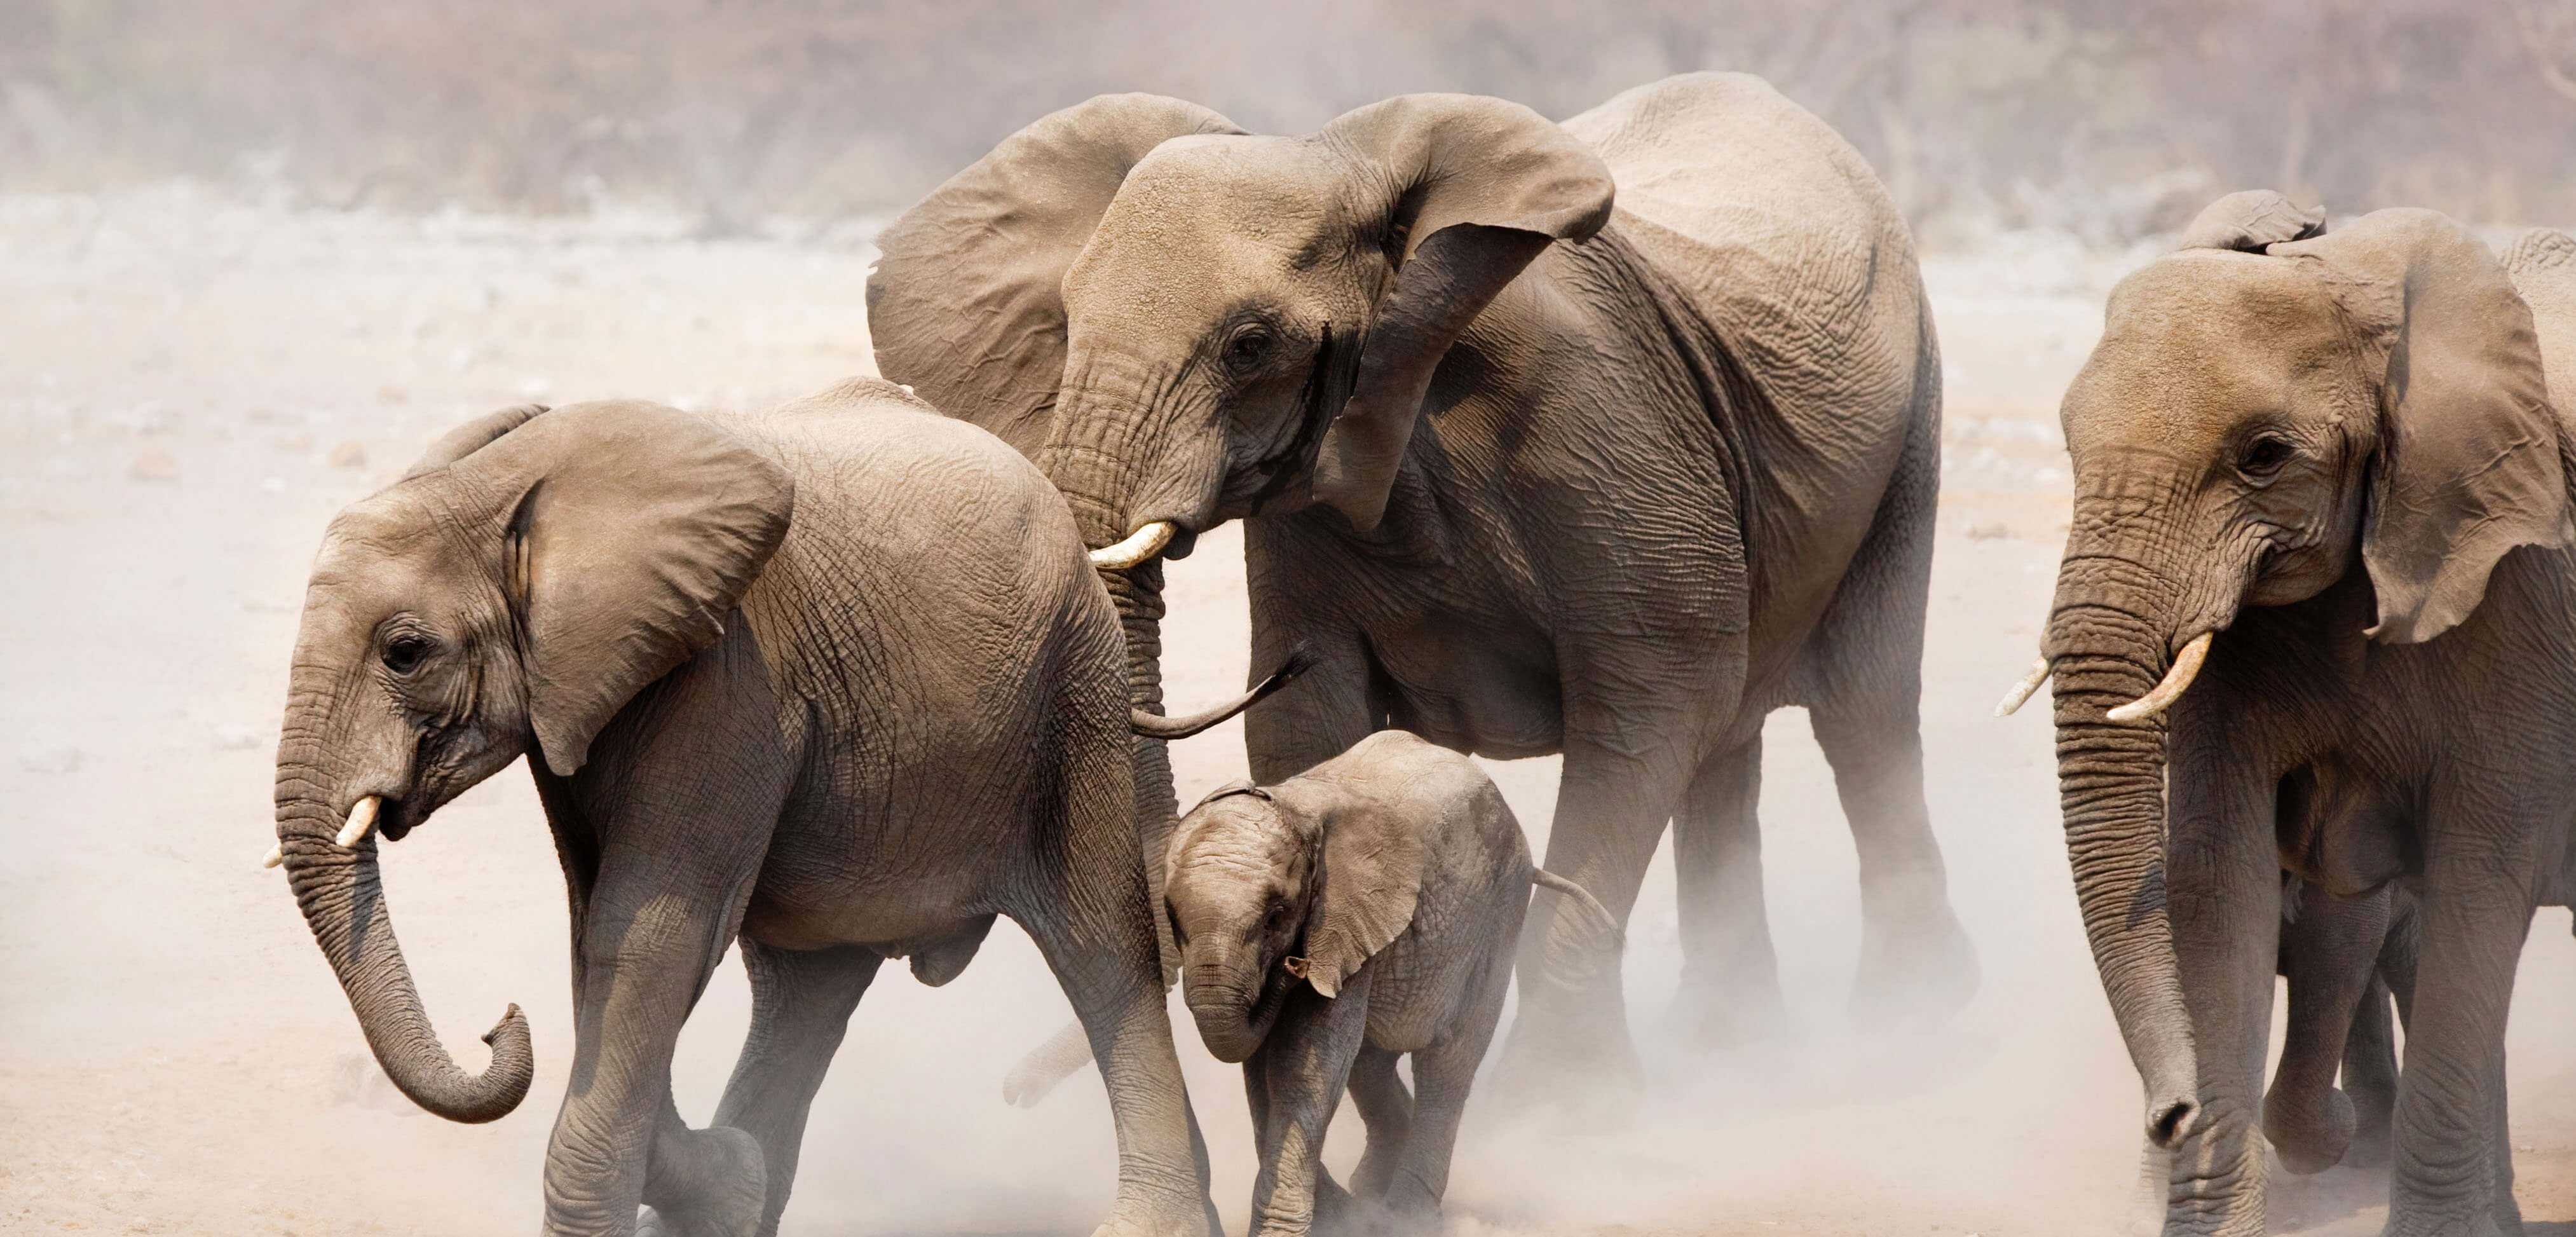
637 528
469 438
2250 219
2469 452
966 301
1370 870
1475 188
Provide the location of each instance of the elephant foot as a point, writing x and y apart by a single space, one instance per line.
1916 972
2310 1137
1138 1214
1583 1073
1713 1014
720 1191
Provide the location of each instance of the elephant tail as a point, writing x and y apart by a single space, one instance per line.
1155 727
1601 920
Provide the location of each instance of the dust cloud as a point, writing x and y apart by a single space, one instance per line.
240 300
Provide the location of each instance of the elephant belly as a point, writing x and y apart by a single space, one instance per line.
1468 693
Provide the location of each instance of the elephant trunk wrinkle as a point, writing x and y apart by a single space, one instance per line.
2107 645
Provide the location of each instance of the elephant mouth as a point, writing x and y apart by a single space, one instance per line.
394 819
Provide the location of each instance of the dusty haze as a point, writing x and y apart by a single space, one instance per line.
254 258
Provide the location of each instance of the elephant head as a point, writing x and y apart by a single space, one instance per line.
508 595
2269 409
1184 324
1270 887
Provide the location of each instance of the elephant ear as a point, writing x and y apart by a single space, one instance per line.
636 529
2468 465
1473 189
469 438
1371 873
966 301
2248 220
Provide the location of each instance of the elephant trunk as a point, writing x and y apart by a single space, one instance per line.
1093 457
1233 1010
2111 793
343 899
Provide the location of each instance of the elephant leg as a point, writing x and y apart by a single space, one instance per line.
1304 1066
651 937
1442 1075
1386 1107
1087 910
801 1002
1730 986
1916 964
2328 955
2370 1078
2223 889
1612 803
2473 916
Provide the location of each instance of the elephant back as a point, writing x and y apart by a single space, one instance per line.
1773 232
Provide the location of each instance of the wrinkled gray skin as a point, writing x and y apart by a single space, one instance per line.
2346 959
1617 497
2340 454
1334 922
835 681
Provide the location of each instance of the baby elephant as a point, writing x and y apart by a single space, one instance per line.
1331 923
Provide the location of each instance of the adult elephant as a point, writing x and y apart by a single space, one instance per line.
2321 532
835 680
1617 498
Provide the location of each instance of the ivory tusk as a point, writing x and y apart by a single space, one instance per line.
276 855
362 817
1140 546
2022 691
2186 667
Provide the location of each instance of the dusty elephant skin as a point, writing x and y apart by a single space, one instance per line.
836 681
2325 471
1617 497
1332 923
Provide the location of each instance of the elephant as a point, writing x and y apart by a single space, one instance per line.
834 681
1531 472
2320 542
1335 922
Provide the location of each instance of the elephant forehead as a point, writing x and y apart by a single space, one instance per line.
1227 209
2195 342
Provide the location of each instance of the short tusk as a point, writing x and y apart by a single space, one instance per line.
1140 546
362 817
2022 691
276 855
2186 667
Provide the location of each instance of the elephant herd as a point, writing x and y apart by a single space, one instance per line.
1603 438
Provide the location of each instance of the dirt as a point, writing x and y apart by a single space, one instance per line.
190 385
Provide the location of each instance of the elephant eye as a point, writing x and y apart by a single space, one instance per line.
1247 347
1276 919
2265 455
403 654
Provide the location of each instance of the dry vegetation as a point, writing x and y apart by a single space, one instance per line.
2108 118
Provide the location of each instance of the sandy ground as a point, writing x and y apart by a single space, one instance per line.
189 387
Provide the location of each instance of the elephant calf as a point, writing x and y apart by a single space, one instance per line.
1392 881
836 680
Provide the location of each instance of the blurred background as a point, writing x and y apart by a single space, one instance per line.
2107 118
256 254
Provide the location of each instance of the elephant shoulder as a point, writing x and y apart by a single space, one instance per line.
1772 229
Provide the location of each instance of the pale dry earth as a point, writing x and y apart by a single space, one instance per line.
190 385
